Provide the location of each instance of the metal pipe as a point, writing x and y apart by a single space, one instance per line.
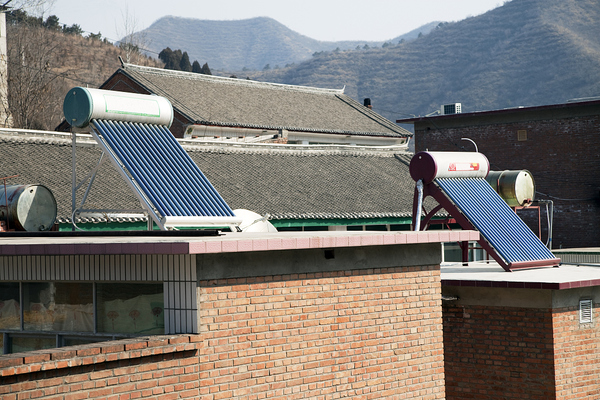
549 220
472 141
73 176
419 205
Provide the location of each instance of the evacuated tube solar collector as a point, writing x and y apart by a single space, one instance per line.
133 130
456 180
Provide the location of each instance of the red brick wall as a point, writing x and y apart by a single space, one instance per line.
562 155
498 353
161 367
577 355
374 333
362 334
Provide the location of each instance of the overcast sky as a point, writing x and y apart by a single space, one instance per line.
330 20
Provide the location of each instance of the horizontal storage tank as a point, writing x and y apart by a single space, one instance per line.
81 105
429 165
31 208
517 188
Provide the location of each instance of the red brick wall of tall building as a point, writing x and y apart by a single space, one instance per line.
498 353
560 153
577 355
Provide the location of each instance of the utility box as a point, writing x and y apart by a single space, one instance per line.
453 108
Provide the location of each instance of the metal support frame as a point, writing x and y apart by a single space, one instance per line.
6 202
431 189
75 209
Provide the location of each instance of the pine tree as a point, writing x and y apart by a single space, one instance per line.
206 70
184 64
196 67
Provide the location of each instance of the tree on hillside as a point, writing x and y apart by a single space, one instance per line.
133 41
196 67
205 70
52 23
32 53
169 58
184 63
95 36
180 61
74 29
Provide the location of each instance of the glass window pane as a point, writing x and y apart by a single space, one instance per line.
30 343
130 308
76 341
10 310
51 306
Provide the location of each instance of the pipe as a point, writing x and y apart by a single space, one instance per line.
419 205
549 220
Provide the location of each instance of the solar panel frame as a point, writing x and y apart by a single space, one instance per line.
495 220
163 175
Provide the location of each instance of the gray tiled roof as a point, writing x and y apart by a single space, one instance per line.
287 184
212 100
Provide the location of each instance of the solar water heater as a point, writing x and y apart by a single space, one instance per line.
456 180
133 130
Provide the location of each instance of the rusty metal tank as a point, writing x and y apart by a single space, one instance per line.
30 208
517 188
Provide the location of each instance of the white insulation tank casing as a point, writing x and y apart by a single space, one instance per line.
81 105
429 165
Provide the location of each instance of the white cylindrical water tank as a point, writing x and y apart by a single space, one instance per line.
429 165
81 105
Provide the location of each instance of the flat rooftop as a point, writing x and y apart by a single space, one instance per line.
484 274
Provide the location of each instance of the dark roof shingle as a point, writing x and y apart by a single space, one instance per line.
288 184
213 100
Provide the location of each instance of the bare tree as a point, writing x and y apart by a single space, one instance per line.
132 41
32 54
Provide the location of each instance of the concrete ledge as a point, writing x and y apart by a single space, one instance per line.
491 275
231 242
214 266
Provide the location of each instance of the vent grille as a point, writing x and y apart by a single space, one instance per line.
585 311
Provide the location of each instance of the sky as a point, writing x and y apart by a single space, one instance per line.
326 20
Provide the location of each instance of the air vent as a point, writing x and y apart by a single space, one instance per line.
585 311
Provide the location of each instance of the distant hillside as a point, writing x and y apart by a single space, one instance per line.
246 44
43 64
415 33
526 52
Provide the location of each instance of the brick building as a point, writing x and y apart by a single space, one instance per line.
294 315
524 335
557 143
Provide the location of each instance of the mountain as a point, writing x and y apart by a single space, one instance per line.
245 44
524 53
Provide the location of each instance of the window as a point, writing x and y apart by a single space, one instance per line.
42 315
10 309
131 308
51 306
19 343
